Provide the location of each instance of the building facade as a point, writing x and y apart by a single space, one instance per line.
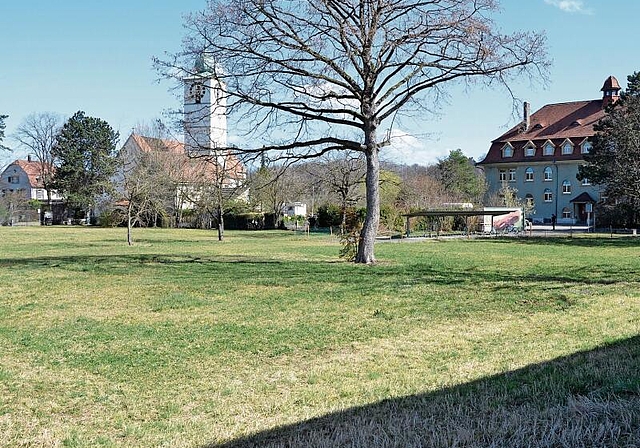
540 158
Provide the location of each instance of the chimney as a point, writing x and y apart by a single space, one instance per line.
526 119
29 158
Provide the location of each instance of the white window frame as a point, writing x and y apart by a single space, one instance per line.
566 213
512 174
548 195
586 146
566 187
567 144
507 151
529 174
548 149
502 175
530 150
548 174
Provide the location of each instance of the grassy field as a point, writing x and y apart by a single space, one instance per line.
269 339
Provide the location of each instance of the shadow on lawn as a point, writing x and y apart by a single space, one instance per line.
252 268
579 240
589 399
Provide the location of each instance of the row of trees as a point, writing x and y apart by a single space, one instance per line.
614 160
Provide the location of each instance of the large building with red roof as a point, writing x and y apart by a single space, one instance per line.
540 158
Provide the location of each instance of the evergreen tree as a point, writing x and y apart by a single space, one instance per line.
458 176
2 127
614 160
85 150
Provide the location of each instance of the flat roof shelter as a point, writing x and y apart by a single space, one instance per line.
464 213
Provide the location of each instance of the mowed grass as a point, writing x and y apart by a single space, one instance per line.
270 339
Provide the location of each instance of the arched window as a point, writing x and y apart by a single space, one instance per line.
529 200
528 175
566 187
507 150
548 173
566 213
548 195
567 147
586 147
548 149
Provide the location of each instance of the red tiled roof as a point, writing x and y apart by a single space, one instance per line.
34 171
554 122
611 83
189 168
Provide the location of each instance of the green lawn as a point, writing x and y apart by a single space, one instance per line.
270 339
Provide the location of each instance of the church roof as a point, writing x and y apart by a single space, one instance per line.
183 167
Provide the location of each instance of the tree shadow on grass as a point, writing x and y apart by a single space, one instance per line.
579 240
589 399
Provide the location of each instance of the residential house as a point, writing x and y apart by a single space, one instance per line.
540 158
22 182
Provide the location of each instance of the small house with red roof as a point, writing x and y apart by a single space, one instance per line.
540 158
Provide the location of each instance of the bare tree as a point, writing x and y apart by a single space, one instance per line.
37 133
214 181
312 76
343 174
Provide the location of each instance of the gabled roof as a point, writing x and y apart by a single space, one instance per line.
33 171
185 168
555 122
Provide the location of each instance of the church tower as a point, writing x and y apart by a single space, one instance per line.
205 119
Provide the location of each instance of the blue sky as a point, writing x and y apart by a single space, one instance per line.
69 55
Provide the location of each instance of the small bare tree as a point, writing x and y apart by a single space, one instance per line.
213 182
306 77
37 133
343 174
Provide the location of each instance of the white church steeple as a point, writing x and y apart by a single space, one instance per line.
205 119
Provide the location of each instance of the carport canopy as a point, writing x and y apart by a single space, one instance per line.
443 212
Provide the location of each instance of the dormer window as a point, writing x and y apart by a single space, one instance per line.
507 151
586 147
530 150
567 147
548 149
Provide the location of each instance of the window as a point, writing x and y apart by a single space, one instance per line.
566 213
512 174
548 174
528 175
586 147
586 182
566 187
530 150
548 149
529 200
503 175
567 148
14 179
507 150
548 195
39 194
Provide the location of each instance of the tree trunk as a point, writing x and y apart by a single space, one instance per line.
370 227
129 225
220 224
